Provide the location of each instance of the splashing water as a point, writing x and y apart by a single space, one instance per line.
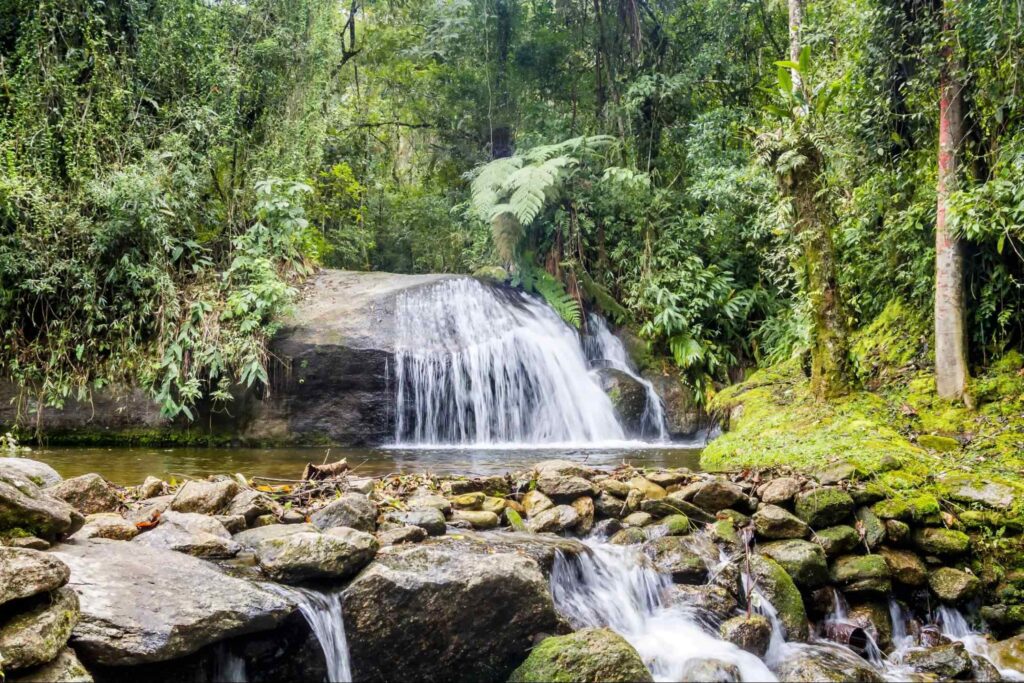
616 587
605 349
479 365
228 667
954 626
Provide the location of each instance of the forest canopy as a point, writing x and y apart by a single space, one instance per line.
736 190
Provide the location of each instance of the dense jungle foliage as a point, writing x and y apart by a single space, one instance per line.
171 169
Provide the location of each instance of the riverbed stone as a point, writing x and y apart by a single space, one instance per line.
563 487
673 555
468 501
189 603
673 525
872 527
751 633
946 661
251 504
494 504
637 519
910 510
714 603
107 525
1009 653
204 497
614 487
250 538
773 522
862 574
717 494
671 477
647 488
418 612
24 573
425 499
353 510
812 665
837 540
535 502
25 506
64 668
941 542
233 523
780 490
896 532
953 586
337 554
989 494
824 507
803 561
674 504
629 536
556 519
562 467
780 590
38 634
39 473
151 487
709 670
873 616
585 509
606 528
607 505
402 534
593 654
905 566
430 519
192 534
478 519
89 494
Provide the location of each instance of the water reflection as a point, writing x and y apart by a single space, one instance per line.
128 466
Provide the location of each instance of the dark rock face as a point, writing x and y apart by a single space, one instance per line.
419 613
628 396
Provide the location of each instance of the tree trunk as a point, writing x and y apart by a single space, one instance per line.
950 326
796 20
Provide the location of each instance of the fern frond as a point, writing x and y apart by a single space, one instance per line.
486 185
553 292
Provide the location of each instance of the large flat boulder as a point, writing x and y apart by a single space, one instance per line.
39 473
142 604
440 611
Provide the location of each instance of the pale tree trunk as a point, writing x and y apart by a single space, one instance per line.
950 325
796 20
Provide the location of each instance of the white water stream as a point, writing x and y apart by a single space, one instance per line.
323 613
479 365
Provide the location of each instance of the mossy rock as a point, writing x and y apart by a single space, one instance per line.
865 574
837 540
953 586
910 509
941 542
934 442
780 590
802 560
824 507
593 654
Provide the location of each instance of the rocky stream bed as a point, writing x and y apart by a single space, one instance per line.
562 572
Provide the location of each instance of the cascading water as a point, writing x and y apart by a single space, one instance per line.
604 349
614 587
479 365
322 611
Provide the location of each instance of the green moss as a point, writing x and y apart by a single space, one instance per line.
589 655
943 542
783 594
942 444
907 509
892 345
824 507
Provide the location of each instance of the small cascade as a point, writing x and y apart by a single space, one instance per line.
228 667
604 349
954 625
322 611
615 587
480 365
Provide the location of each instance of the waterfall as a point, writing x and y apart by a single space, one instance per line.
322 611
604 349
481 365
615 587
228 667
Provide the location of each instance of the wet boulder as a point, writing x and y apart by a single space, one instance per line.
1009 653
713 603
751 633
905 566
89 494
628 396
558 518
478 519
593 654
950 660
107 525
803 561
352 510
151 487
189 603
813 664
778 588
708 670
250 505
837 540
672 555
337 554
773 522
445 611
563 487
205 497
863 574
24 573
38 634
430 519
25 506
250 538
192 534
